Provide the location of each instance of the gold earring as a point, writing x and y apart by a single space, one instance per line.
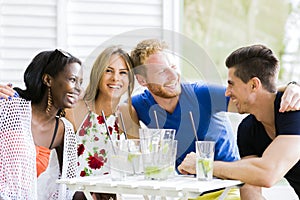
49 103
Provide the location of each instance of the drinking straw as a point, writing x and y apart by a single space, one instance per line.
103 115
124 130
123 125
193 125
156 120
195 133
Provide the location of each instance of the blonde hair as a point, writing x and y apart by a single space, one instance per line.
143 50
99 67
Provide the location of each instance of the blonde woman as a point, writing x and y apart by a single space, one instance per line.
110 78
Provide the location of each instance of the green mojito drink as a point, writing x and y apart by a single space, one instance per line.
121 158
159 172
204 160
118 167
159 159
135 160
204 167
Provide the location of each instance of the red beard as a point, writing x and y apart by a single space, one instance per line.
158 90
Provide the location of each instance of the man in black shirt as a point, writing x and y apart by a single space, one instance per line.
268 140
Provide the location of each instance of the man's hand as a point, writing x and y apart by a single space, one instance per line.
188 165
290 100
6 91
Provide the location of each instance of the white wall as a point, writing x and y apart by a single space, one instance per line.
78 26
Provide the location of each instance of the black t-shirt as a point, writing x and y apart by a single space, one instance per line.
253 139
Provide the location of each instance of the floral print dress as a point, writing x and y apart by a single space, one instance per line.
93 144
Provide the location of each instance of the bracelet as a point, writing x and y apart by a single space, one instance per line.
293 82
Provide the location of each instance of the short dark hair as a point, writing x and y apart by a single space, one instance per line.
46 62
255 61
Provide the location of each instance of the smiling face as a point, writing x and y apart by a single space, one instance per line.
162 78
239 92
114 82
66 86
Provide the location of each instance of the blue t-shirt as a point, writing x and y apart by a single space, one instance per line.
253 139
206 103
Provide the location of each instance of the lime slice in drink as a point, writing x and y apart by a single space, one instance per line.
206 164
131 156
151 170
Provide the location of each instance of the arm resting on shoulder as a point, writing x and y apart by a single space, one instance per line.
7 91
291 97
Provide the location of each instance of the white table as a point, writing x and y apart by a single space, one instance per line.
182 187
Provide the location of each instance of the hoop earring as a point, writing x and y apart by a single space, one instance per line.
49 102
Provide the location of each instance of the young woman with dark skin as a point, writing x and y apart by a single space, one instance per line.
111 77
53 82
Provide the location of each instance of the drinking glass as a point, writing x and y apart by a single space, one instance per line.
204 160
